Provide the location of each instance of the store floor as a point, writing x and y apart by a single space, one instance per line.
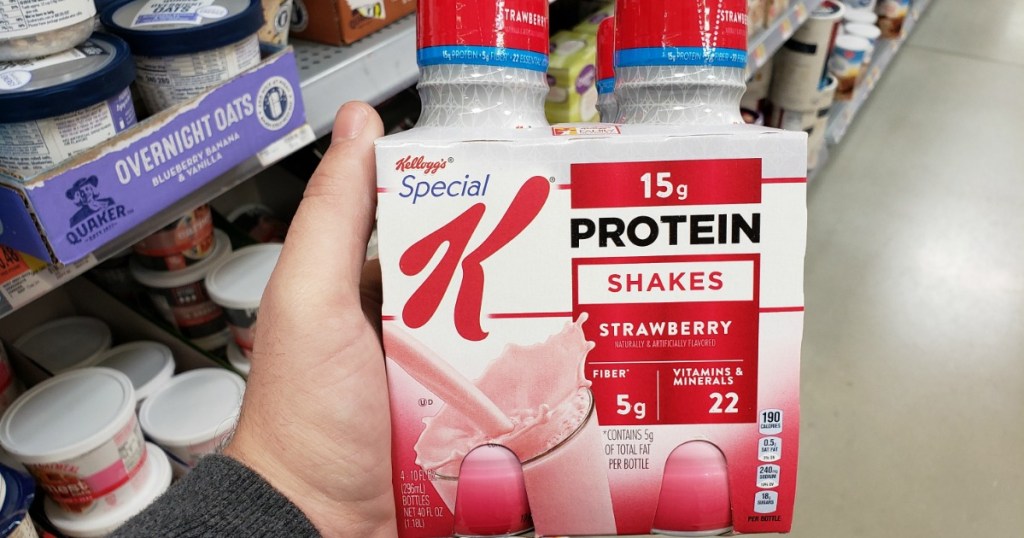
913 378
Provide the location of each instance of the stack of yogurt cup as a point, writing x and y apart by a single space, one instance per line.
78 435
172 265
63 88
237 284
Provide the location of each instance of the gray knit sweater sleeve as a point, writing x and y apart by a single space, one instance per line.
220 498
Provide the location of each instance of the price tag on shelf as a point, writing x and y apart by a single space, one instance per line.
11 264
787 28
760 56
287 145
801 12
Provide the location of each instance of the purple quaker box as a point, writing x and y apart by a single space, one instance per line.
68 212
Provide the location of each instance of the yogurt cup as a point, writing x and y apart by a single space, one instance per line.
182 53
58 106
238 360
277 15
149 366
66 343
180 296
868 31
847 63
43 27
17 491
78 436
853 16
184 242
193 414
144 488
237 284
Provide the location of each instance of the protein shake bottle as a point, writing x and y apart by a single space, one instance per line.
606 103
483 64
680 63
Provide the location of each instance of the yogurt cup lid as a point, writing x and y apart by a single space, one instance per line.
189 275
44 87
860 16
17 491
869 31
852 43
193 407
158 478
66 343
147 364
68 415
238 359
205 26
239 280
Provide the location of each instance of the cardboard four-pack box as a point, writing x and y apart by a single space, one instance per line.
337 22
593 298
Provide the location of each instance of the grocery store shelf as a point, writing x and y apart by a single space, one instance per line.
765 44
372 70
843 113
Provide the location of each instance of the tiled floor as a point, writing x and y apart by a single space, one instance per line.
913 385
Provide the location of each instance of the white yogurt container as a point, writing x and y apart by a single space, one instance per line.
33 28
58 106
181 297
78 436
868 31
66 343
860 17
149 366
237 285
238 359
183 49
17 492
193 414
144 488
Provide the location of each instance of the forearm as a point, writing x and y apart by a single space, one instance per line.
221 497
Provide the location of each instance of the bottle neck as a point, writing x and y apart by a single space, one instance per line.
680 95
462 95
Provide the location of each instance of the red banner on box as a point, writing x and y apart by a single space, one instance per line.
666 183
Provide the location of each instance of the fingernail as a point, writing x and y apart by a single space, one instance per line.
350 123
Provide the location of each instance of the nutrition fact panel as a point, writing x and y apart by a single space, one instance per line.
19 17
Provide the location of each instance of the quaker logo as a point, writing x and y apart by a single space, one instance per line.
420 162
96 213
275 103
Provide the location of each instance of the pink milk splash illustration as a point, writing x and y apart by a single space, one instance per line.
552 427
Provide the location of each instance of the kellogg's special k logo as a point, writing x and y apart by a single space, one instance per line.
455 236
421 163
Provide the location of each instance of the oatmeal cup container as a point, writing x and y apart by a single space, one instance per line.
180 296
17 491
148 365
194 413
142 490
184 242
78 436
55 107
237 284
183 49
66 344
41 27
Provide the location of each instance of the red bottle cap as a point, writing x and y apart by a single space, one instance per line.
511 33
606 55
674 32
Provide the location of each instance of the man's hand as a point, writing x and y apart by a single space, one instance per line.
315 422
